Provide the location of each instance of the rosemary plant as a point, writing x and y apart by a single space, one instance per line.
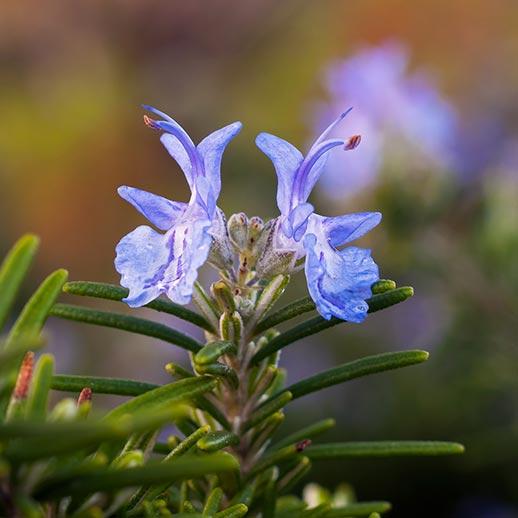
226 457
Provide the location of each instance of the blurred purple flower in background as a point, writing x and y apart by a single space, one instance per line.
400 115
339 280
151 263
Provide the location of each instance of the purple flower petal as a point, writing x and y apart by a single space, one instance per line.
286 160
339 281
141 257
298 220
211 150
176 149
311 169
346 228
158 210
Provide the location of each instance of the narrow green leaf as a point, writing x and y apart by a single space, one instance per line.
318 324
270 294
357 369
309 432
217 440
246 494
270 494
177 370
294 475
359 509
213 502
165 395
108 480
212 351
267 409
38 399
10 359
219 370
124 387
288 312
127 323
13 270
275 458
389 298
320 511
265 431
35 312
382 286
113 292
182 448
236 511
382 449
206 305
116 386
42 440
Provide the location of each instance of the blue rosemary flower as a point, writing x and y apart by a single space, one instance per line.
339 280
151 262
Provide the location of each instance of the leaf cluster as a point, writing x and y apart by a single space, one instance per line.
205 444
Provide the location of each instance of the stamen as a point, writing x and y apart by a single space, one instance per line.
330 128
151 123
352 142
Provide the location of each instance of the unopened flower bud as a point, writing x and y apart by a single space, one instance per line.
273 261
221 254
238 230
255 228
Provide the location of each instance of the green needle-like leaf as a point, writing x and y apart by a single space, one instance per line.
294 475
10 359
119 387
235 511
213 502
13 271
124 387
217 440
317 324
182 448
35 312
288 312
267 409
382 286
165 395
213 350
359 509
35 440
40 386
276 457
309 432
357 369
112 292
109 480
126 323
382 449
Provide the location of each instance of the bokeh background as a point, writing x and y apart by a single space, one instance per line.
434 87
